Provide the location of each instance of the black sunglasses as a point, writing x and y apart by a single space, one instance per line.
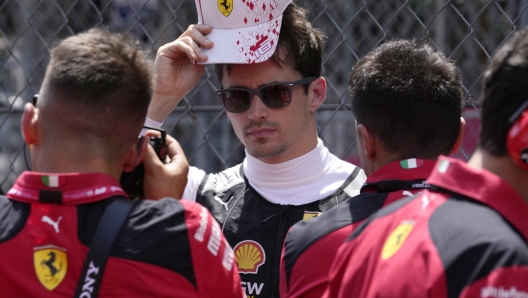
274 95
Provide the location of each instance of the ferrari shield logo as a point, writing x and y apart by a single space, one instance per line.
51 264
225 6
396 239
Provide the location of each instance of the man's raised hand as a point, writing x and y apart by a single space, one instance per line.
176 70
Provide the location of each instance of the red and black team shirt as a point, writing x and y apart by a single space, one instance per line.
465 237
166 248
310 246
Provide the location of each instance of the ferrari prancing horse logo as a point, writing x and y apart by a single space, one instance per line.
396 239
225 6
51 264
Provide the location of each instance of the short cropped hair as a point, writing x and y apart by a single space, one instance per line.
299 40
409 95
504 92
102 82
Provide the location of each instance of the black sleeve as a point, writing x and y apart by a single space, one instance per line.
13 217
472 241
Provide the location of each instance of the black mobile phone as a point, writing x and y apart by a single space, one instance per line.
132 182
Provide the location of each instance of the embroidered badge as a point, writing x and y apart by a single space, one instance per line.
225 6
52 181
442 166
249 256
396 239
411 163
51 264
311 214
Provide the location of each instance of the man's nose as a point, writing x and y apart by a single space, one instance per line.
258 110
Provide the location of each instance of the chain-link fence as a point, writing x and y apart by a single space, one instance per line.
468 31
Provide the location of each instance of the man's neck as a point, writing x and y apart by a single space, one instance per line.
66 162
308 167
382 159
503 167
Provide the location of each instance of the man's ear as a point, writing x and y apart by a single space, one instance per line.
369 142
318 89
135 154
30 123
460 137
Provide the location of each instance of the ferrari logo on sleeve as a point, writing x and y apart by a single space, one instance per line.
396 239
225 6
51 264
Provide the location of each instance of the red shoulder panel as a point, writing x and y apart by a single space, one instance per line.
212 256
398 258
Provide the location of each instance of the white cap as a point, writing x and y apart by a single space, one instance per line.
244 31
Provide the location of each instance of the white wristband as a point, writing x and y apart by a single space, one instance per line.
150 123
154 124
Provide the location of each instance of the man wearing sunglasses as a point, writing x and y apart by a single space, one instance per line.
467 236
271 88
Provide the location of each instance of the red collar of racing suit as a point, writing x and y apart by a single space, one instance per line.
481 185
74 188
403 170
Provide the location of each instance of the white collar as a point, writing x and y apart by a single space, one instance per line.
298 171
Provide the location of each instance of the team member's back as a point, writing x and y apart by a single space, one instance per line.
467 236
161 251
84 134
406 97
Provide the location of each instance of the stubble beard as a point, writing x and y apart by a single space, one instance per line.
263 147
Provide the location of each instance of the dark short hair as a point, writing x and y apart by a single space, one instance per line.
504 92
409 95
300 41
102 82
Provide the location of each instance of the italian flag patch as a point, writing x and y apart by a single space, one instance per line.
442 166
50 181
411 163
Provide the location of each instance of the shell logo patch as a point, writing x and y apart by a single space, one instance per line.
311 214
396 239
249 256
225 6
51 264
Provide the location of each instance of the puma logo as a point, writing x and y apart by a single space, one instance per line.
48 220
425 201
407 193
225 204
